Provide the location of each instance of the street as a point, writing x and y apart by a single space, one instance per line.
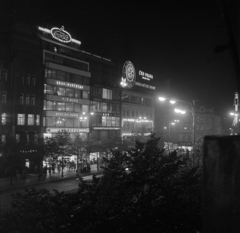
67 185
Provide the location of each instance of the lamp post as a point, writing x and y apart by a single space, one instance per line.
192 110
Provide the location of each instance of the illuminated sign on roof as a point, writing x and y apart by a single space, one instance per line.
60 34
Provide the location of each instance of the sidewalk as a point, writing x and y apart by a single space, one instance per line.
32 179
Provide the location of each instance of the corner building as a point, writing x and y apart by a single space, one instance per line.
48 83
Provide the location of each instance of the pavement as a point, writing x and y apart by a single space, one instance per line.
32 179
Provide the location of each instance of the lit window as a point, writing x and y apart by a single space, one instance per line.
30 119
37 120
21 98
28 79
3 138
27 99
4 97
17 137
33 100
4 119
5 76
106 94
21 119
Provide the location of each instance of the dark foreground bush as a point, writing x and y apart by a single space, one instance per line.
155 193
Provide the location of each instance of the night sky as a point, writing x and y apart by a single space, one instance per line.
173 40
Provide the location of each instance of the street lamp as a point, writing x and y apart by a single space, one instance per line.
192 110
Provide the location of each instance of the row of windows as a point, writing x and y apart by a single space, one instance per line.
26 137
105 107
109 121
30 120
64 91
55 58
29 99
64 122
104 93
64 106
27 79
65 76
137 114
146 126
136 99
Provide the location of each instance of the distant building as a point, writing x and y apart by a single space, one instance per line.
180 133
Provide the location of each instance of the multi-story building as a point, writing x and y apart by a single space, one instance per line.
48 84
178 129
138 109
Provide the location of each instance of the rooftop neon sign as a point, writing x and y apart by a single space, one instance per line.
60 34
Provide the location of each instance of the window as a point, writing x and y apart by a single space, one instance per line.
22 98
69 122
34 80
17 137
4 119
77 94
77 108
85 108
69 107
28 79
48 89
27 99
61 91
37 120
5 75
3 138
4 97
30 119
33 100
85 95
60 106
69 92
106 94
21 119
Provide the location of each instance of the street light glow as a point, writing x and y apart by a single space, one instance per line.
179 111
162 98
233 114
172 101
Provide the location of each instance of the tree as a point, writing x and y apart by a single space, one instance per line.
141 191
60 146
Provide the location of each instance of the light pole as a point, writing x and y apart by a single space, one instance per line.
192 110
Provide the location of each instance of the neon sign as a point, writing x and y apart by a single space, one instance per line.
128 75
61 35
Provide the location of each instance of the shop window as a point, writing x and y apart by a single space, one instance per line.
21 119
60 122
106 94
30 119
4 119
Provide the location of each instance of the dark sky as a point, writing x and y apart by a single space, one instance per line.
170 39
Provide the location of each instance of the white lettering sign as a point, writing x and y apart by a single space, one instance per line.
66 84
70 130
